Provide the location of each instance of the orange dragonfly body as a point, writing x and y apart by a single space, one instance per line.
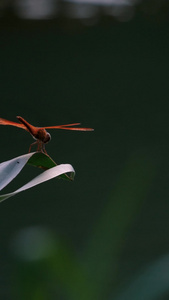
40 134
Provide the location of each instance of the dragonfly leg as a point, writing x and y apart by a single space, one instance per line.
40 146
32 145
43 149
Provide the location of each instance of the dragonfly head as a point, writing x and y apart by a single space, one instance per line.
47 138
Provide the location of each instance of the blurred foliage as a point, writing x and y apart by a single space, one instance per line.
87 12
91 275
112 238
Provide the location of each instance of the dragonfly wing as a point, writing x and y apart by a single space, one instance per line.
59 126
6 122
68 127
77 129
65 127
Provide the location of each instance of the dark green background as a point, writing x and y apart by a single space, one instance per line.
114 78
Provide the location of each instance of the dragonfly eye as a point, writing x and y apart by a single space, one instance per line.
47 138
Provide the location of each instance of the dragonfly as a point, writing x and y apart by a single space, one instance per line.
40 134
